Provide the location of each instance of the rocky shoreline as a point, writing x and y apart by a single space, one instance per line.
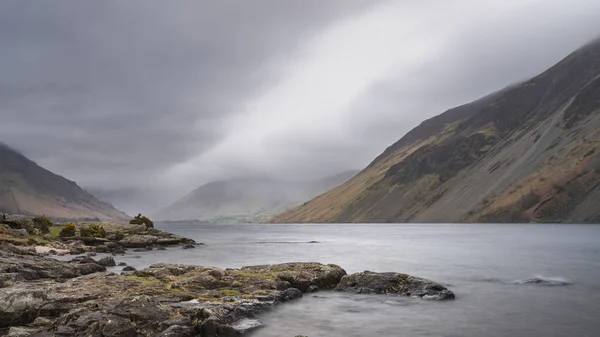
42 296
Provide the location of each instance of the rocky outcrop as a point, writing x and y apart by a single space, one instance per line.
393 283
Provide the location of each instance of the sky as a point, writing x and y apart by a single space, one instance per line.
142 101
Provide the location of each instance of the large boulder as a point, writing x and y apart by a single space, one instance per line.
138 241
393 283
19 306
302 275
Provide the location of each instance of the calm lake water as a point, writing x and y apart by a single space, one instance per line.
483 264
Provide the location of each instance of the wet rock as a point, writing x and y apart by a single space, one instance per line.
312 289
290 294
161 248
108 261
168 241
82 259
121 264
177 331
129 268
91 254
188 246
393 283
138 241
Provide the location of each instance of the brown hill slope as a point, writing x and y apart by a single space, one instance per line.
527 153
26 188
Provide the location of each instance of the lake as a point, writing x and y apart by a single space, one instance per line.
486 266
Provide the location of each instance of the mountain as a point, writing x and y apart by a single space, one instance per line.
527 153
26 188
246 199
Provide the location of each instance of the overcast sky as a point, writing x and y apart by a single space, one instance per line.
147 100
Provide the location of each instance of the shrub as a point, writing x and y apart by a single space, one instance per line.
42 223
68 230
92 231
142 220
119 235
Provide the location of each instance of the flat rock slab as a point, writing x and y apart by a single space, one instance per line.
393 283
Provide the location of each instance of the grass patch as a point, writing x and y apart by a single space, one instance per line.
55 231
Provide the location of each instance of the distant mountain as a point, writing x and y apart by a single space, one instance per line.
246 199
26 188
530 152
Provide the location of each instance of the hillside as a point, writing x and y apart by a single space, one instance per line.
26 188
246 199
527 153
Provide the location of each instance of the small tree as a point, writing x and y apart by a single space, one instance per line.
68 230
42 223
142 220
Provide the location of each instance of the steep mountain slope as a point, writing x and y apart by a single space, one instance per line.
26 188
527 153
246 200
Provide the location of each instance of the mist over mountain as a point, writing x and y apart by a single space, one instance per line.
530 152
246 199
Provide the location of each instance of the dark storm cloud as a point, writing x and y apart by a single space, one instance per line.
143 101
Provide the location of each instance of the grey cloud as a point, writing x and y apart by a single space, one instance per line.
118 94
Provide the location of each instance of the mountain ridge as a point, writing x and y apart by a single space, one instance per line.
29 189
248 199
487 160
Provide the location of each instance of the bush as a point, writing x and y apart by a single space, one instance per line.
142 220
68 230
119 235
42 223
92 231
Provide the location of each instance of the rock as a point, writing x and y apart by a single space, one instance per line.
312 289
22 331
168 241
46 236
290 294
177 331
91 254
393 283
161 248
188 246
22 232
108 261
121 264
138 241
118 250
302 275
90 268
111 245
129 268
42 322
145 249
183 321
52 252
20 305
82 259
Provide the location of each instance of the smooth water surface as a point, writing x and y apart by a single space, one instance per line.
485 266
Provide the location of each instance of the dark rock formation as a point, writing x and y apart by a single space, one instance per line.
393 283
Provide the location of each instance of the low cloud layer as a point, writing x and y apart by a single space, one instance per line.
142 101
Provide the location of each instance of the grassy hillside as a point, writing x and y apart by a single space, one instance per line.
527 153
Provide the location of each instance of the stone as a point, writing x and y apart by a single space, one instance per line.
183 321
108 261
393 283
91 254
188 246
22 331
138 241
20 305
302 275
129 268
312 289
121 264
83 259
42 322
176 331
